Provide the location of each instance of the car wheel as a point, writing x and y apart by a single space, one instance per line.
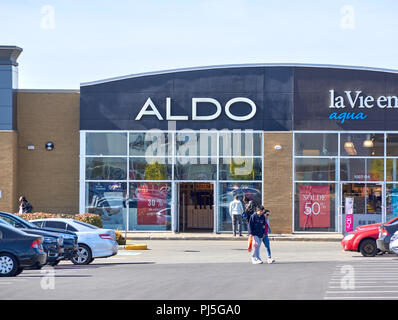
54 263
82 256
368 248
8 265
19 271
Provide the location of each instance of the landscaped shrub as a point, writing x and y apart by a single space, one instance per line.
119 238
89 218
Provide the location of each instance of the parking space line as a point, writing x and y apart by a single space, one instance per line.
353 298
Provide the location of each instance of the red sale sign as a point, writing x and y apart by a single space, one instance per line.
151 204
314 206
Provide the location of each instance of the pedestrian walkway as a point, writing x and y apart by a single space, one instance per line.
133 236
366 280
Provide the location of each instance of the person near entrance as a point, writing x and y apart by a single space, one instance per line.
236 211
250 208
256 228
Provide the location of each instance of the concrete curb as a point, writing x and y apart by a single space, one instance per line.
137 238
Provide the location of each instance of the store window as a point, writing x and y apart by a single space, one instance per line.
159 168
316 144
128 177
108 200
391 201
238 144
195 144
361 144
150 206
226 194
106 144
106 168
392 144
240 169
361 169
392 169
315 207
316 169
195 168
151 143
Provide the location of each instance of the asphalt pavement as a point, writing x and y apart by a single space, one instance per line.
198 270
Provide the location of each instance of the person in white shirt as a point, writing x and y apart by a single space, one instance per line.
236 210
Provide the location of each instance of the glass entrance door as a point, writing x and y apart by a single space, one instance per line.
361 204
196 206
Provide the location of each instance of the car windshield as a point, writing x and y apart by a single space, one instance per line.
25 222
5 222
85 224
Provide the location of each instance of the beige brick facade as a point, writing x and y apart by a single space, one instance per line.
277 177
8 171
49 179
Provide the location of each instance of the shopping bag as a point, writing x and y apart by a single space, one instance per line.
250 243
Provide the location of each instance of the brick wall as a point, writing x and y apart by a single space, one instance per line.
49 179
8 171
277 177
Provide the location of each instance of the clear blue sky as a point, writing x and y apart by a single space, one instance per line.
79 41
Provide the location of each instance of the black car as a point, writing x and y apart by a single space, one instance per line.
386 231
53 244
70 238
19 250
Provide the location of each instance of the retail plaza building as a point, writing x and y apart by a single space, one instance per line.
167 151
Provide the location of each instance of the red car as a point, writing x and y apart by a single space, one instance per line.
363 239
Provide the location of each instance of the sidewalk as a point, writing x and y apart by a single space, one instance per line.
133 237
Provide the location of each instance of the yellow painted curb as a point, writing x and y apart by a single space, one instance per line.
136 247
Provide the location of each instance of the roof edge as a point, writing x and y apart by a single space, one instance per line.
226 66
49 90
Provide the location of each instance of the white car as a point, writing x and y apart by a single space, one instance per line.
93 242
394 243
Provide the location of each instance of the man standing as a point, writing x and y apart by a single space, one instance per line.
257 224
236 211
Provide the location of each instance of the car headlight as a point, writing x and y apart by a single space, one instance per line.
60 241
349 237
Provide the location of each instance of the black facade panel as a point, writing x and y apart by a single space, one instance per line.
287 98
312 99
114 105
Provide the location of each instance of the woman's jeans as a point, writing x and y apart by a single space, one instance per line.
267 246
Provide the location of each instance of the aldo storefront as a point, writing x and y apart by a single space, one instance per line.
166 151
317 145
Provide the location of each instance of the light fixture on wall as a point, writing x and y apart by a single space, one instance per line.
31 147
368 143
349 148
277 147
49 146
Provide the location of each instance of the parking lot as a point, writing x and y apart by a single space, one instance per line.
214 270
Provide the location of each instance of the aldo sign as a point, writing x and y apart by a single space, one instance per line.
150 109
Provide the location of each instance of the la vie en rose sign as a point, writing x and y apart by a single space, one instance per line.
357 103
